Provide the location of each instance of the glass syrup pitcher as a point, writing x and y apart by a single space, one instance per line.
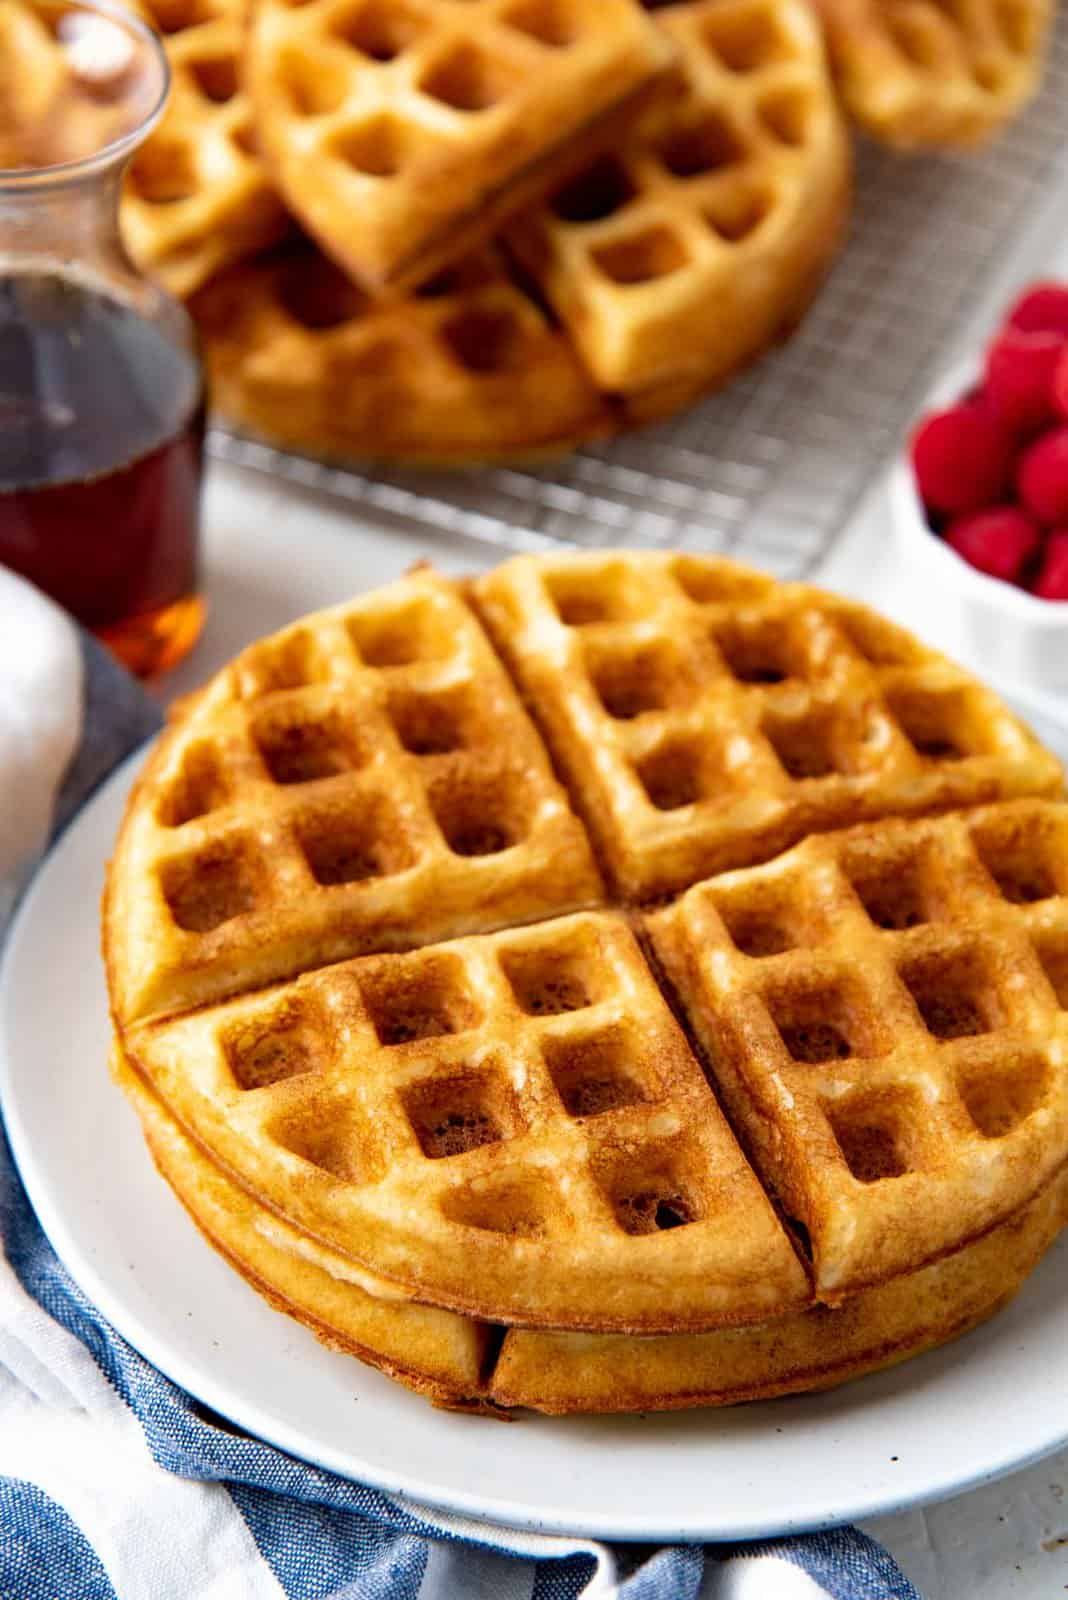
101 393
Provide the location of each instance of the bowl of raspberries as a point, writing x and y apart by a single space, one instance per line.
981 502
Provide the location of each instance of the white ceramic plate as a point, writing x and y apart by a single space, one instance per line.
991 1402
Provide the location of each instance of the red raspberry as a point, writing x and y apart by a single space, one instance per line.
961 459
1060 384
1052 580
1000 541
1042 477
1020 370
1041 309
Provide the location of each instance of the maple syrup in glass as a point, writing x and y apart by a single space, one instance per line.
101 393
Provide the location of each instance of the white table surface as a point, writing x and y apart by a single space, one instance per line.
272 553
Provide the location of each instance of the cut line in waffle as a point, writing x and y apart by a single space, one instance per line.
703 236
463 1364
197 195
365 781
707 717
918 73
431 120
883 1012
467 370
510 1125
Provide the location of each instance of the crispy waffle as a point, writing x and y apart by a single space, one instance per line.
934 72
701 240
438 1353
706 717
197 195
882 1010
510 1125
363 781
402 133
476 1095
464 1364
468 370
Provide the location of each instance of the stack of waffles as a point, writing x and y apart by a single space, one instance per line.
618 982
462 231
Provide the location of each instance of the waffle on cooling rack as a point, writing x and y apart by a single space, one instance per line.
197 196
432 120
701 238
917 73
613 211
490 1107
469 370
565 218
731 194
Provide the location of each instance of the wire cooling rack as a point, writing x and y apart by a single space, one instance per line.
772 468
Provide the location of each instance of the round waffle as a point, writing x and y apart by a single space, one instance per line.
405 985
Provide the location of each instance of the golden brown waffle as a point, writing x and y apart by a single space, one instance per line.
706 717
883 1014
438 1353
365 780
197 195
511 1125
469 370
934 72
402 134
701 241
461 1363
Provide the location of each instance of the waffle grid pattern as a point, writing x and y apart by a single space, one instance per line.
759 472
412 112
731 715
719 191
356 787
462 1092
197 195
529 1088
891 1001
526 1091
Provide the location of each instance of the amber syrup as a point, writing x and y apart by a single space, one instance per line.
101 454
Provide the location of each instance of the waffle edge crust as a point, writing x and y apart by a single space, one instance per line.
667 964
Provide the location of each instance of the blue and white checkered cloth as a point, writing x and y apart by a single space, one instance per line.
113 1481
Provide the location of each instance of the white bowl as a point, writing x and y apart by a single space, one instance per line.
1016 636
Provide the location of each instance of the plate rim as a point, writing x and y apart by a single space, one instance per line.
196 1379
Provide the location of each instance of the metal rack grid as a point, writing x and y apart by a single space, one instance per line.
772 468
